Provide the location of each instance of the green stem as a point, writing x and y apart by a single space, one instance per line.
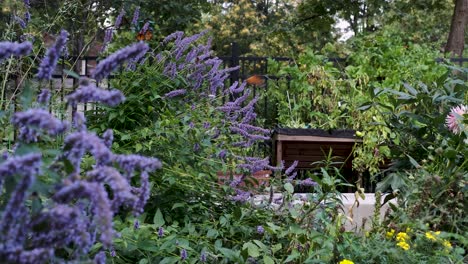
4 83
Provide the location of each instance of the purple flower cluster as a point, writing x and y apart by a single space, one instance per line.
98 196
8 49
106 66
31 121
89 92
77 144
194 63
49 62
206 78
241 196
83 204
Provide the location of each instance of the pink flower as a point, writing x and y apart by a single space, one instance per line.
454 120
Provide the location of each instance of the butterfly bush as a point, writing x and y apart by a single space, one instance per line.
206 77
80 206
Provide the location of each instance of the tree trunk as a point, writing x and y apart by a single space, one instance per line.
456 38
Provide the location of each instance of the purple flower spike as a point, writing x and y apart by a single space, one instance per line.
145 27
136 15
90 93
106 66
175 93
291 168
119 185
144 192
100 258
260 230
78 143
108 137
96 193
241 196
130 163
183 254
307 182
44 96
108 33
20 22
160 232
11 224
79 121
61 225
27 17
136 224
203 257
49 62
19 255
16 49
32 120
119 18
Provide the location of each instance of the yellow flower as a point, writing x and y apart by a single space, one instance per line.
403 245
437 232
390 233
446 244
346 261
402 237
430 236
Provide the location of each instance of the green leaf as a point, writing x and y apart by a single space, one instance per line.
148 245
289 187
72 74
364 107
252 249
169 260
177 205
410 89
138 147
268 260
158 219
294 255
276 247
212 233
413 162
228 253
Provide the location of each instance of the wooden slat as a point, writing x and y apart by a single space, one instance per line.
313 138
314 158
315 151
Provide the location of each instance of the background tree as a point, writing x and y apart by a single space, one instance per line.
456 38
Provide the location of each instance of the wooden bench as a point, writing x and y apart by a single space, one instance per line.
312 145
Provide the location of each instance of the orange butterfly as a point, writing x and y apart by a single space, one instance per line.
256 80
145 36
